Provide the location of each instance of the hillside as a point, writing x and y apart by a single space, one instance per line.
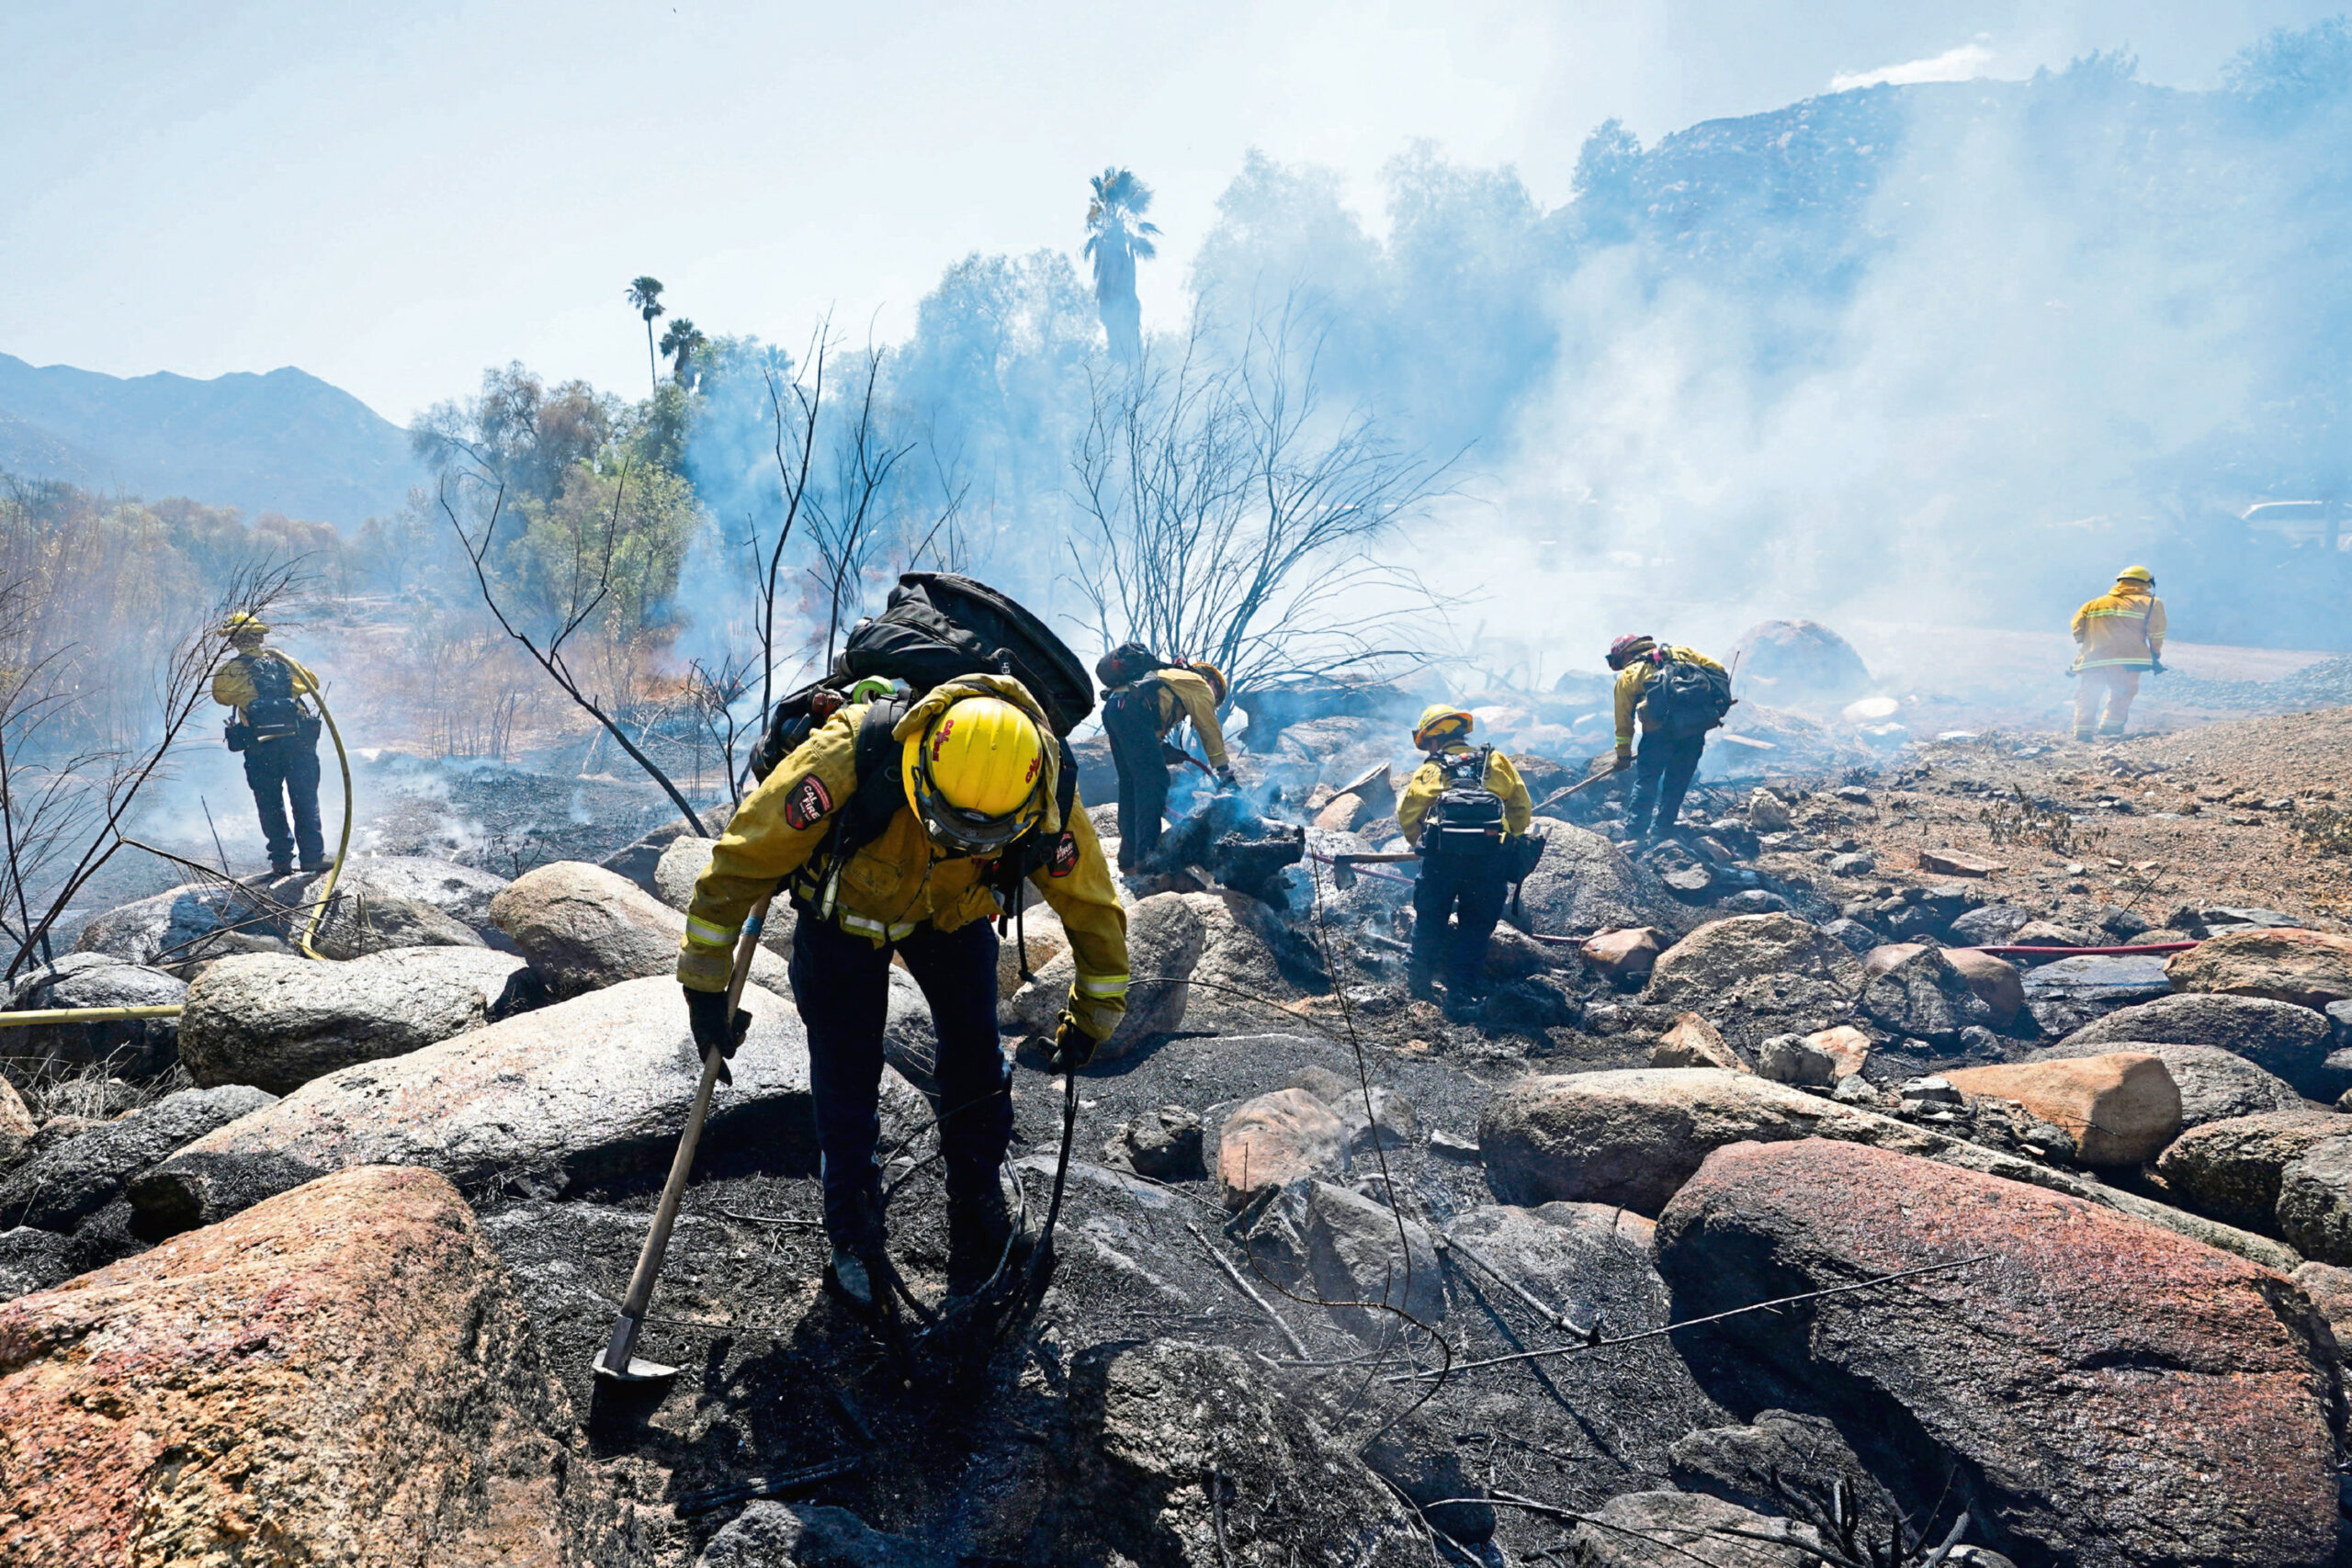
282 442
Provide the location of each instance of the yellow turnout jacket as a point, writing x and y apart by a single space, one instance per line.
2121 629
1182 695
1429 782
900 881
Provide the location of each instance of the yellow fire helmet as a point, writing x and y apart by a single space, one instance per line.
244 627
1440 723
1218 685
2136 574
975 777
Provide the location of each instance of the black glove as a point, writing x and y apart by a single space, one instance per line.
2156 666
1224 779
1071 1047
707 1016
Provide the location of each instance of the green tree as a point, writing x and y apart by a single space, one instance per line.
1117 237
645 293
680 344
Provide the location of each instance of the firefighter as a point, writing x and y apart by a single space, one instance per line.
2117 636
277 734
1457 809
972 806
1675 718
1143 698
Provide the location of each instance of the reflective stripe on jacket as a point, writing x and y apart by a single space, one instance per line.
1429 782
1634 679
900 881
2121 629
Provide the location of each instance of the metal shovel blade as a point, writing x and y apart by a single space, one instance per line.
618 1364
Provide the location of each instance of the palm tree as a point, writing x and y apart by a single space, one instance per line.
645 293
1117 241
680 340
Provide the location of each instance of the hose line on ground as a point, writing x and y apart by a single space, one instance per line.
343 846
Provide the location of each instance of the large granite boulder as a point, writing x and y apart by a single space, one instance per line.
343 1374
2083 1347
2065 995
2282 1038
1584 884
1633 1136
2214 1085
2231 1169
1721 954
139 1047
1165 937
2121 1108
167 927
359 922
583 927
279 1023
680 867
2287 965
586 1091
461 892
63 1185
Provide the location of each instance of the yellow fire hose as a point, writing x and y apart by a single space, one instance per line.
317 913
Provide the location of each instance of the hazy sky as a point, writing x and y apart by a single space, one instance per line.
392 197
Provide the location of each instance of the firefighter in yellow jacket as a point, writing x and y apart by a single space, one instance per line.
972 775
1457 809
1672 742
1143 700
2118 635
277 735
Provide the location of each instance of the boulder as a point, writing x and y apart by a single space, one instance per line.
62 1185
1164 1144
1783 1459
1672 1529
1790 663
1514 955
2070 993
2121 1108
1768 813
682 861
1047 942
2086 1347
1393 1124
2052 933
2281 1038
1251 965
34 1259
165 927
1634 1135
343 1374
1276 1139
1358 1256
2330 1289
2215 1085
1720 955
583 927
2285 964
276 1024
17 1123
1996 982
776 1535
592 1089
1794 1059
1625 956
1925 998
2315 1202
1149 1421
1991 925
2231 1169
1692 1042
361 922
639 860
141 1047
1584 883
1165 937
461 892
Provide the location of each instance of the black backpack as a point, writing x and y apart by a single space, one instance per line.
274 713
1684 698
1466 815
936 626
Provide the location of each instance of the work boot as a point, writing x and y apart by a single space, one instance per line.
978 1228
857 1272
2085 736
1420 981
281 868
316 865
852 1276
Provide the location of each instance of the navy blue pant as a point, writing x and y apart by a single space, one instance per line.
1662 774
280 773
843 986
1468 887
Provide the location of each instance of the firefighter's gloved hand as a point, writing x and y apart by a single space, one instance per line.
706 1015
1071 1047
1224 779
2156 666
1621 762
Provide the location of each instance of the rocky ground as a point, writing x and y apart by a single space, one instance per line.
317 1273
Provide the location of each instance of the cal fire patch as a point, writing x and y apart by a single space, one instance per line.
1065 855
807 804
